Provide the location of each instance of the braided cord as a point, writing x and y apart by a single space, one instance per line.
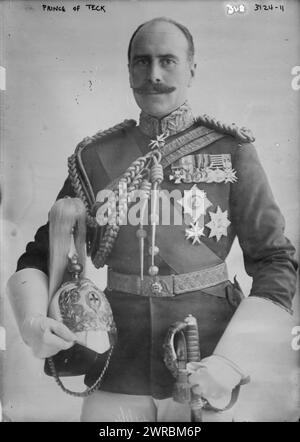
131 179
141 233
80 185
79 189
156 176
242 133
103 133
89 390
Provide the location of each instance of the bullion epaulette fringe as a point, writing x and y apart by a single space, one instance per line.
242 134
77 174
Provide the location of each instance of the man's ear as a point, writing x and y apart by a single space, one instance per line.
193 68
129 74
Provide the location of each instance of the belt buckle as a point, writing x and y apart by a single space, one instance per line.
157 287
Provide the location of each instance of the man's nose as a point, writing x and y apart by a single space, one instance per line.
155 74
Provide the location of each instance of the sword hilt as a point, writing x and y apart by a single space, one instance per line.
193 355
182 346
192 339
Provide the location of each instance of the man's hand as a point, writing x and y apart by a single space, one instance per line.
46 336
214 379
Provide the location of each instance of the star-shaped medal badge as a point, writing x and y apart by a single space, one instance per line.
230 176
218 224
194 233
194 202
159 142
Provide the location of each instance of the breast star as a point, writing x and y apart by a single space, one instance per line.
194 202
218 224
194 233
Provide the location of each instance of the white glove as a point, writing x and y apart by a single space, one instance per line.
45 336
214 378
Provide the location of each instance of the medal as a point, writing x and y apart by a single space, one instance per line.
177 176
219 161
218 224
230 176
197 176
226 160
203 168
159 142
182 170
219 175
194 202
188 165
194 233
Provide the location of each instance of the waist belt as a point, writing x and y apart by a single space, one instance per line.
168 285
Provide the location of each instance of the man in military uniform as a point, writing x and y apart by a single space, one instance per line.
159 274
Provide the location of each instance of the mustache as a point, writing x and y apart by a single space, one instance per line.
150 88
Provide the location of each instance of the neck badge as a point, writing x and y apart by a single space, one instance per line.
159 142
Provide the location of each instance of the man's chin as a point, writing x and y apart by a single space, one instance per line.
156 105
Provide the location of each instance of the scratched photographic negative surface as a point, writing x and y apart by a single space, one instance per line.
64 77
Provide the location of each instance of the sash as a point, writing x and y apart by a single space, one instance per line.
174 249
117 157
180 254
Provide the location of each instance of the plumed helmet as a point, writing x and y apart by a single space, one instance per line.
84 309
75 300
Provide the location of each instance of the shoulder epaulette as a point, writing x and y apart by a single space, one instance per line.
126 124
242 134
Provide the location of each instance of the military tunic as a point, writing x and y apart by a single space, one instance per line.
137 366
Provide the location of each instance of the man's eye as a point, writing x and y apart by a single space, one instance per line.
141 62
167 61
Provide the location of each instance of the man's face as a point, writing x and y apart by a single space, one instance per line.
160 69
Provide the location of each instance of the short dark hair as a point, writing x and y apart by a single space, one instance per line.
183 29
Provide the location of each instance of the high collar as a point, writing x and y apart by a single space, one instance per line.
177 121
